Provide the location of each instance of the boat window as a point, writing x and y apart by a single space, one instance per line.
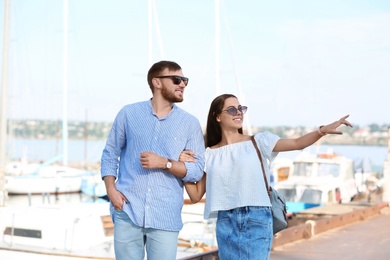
311 196
288 194
325 169
22 232
303 169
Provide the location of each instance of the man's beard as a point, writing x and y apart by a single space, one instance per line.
169 96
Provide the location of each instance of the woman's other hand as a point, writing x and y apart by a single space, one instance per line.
187 156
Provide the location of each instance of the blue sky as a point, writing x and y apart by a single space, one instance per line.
296 62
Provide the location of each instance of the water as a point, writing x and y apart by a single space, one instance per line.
42 150
91 151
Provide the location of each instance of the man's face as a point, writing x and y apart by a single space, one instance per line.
172 87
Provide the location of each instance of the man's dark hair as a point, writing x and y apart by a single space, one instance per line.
158 67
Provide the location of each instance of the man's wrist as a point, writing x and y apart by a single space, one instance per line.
168 164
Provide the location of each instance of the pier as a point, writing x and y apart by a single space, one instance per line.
361 232
355 230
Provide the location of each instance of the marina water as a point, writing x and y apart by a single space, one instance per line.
91 151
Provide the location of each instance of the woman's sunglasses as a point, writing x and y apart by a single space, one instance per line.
175 79
234 111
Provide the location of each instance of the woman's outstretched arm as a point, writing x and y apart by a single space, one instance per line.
306 140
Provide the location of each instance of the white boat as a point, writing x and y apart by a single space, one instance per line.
85 230
77 230
92 185
48 179
280 169
317 180
20 167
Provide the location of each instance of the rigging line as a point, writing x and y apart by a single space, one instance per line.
238 83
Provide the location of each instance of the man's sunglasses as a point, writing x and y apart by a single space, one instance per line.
175 79
234 111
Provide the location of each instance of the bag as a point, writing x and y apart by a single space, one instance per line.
279 210
278 202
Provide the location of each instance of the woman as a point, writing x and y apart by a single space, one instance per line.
236 192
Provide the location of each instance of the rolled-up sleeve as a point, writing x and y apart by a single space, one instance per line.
112 150
196 144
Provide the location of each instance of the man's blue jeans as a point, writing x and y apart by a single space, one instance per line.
130 240
244 233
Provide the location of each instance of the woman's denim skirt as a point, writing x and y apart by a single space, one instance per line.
244 233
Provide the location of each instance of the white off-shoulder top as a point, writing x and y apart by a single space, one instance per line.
234 175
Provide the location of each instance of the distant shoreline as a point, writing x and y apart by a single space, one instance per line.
329 140
99 131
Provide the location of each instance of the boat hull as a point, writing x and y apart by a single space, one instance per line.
51 179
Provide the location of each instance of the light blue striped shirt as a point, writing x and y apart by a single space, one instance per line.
155 196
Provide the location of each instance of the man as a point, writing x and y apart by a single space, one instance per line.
141 171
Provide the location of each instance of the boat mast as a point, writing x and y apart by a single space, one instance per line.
3 114
158 32
152 16
150 32
238 82
3 130
65 89
217 60
217 49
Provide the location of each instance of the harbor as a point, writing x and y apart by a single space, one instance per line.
309 233
60 225
67 71
75 223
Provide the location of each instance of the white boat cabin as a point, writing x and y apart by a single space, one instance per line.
320 179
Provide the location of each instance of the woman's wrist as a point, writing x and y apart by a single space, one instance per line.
320 132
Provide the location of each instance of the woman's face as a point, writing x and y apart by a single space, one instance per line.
232 115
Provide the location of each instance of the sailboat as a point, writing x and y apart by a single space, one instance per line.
48 177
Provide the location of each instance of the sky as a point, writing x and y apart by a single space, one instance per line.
293 63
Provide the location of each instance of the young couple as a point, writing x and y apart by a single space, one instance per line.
144 167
